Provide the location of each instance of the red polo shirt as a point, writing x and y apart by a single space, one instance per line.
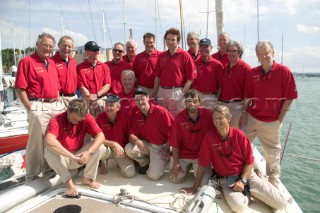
71 136
128 104
187 136
93 78
234 80
126 59
38 81
268 92
175 70
209 76
119 131
116 70
194 57
155 128
144 67
67 74
223 59
227 157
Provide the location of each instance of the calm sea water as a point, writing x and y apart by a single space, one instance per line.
301 173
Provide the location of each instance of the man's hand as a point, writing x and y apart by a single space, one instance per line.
144 149
175 171
165 153
190 190
238 186
83 157
118 150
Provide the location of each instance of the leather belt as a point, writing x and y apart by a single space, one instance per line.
68 95
208 93
44 100
232 101
169 87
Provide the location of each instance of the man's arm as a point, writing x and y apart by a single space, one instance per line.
85 92
22 94
156 87
285 108
55 146
103 90
97 142
176 166
135 140
187 86
243 119
238 186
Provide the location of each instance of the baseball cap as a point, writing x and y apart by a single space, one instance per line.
205 41
92 46
112 98
140 91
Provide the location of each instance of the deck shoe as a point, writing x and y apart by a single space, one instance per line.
143 170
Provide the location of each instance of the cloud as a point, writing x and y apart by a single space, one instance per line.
307 29
78 38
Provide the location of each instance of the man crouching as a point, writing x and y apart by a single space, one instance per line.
66 149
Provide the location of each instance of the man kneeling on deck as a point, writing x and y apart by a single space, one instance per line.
66 150
230 152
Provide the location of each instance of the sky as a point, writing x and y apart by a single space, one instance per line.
291 25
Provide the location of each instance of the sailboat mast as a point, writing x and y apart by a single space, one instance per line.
219 16
181 25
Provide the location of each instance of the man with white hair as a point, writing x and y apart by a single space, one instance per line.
193 44
221 54
131 49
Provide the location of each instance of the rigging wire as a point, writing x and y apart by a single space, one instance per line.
64 17
94 31
83 14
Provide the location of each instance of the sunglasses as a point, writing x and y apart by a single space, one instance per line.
117 51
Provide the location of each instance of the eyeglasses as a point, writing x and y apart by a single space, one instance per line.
48 46
232 51
117 51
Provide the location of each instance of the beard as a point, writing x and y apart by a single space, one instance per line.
192 109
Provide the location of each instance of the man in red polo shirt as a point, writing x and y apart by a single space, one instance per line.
93 78
269 92
230 153
187 132
115 125
67 70
131 49
193 44
175 72
149 136
221 55
116 66
127 94
209 75
66 148
233 81
37 86
145 63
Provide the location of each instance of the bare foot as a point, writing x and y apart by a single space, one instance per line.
92 183
103 167
71 189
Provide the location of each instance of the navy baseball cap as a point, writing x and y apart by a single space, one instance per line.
112 98
205 41
92 46
140 91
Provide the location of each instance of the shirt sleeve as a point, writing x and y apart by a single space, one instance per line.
53 127
81 82
107 77
91 126
22 78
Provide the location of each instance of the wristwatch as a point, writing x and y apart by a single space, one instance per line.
244 180
90 152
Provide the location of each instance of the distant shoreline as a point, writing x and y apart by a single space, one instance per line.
297 74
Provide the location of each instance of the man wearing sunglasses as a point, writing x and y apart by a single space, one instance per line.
93 78
116 66
187 132
230 153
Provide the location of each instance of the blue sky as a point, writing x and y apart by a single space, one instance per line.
298 21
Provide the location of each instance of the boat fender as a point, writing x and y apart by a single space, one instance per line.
202 200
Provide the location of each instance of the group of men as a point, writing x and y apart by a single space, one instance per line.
158 109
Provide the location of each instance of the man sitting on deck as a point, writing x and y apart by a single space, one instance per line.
230 152
66 150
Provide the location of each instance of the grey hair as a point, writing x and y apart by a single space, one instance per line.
45 35
133 42
223 110
225 34
79 106
261 44
193 35
127 72
236 44
118 43
65 37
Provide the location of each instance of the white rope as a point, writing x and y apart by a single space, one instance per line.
302 157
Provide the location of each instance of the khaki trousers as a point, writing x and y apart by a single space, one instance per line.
61 164
67 99
156 165
268 134
259 188
236 111
148 90
171 99
185 168
209 101
38 118
125 164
